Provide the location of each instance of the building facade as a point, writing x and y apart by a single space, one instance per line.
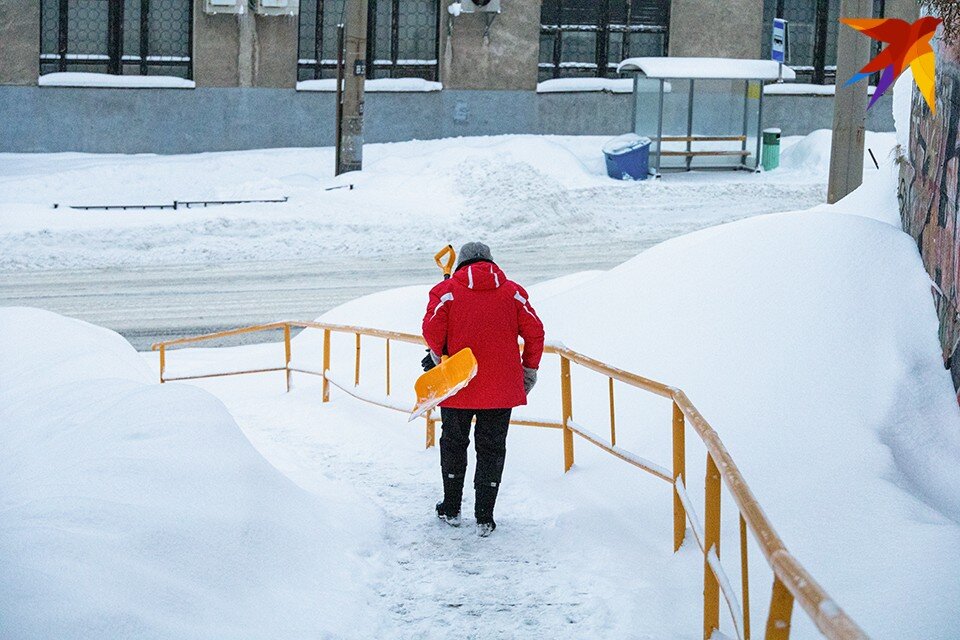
243 70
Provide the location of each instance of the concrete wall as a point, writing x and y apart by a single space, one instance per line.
19 42
244 50
907 10
216 48
716 28
507 61
275 51
46 119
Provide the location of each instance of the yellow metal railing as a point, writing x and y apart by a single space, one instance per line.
791 582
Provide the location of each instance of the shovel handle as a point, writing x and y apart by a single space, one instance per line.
451 258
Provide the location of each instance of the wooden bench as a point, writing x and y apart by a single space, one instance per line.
689 153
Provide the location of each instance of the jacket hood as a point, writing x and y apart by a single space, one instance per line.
480 276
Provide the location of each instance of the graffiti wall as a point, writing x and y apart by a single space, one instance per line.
928 194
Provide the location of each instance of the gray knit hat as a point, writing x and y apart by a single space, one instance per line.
473 252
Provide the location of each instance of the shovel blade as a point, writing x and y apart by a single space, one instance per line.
443 381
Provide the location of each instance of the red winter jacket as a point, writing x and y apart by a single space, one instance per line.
479 308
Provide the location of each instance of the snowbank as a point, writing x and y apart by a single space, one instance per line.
902 101
134 510
808 339
810 154
809 342
411 197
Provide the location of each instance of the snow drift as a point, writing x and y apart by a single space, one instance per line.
134 510
808 340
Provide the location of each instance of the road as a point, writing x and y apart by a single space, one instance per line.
147 304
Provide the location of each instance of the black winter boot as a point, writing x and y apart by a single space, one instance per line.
448 509
486 500
453 520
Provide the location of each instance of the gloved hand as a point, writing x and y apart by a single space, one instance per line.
529 379
430 360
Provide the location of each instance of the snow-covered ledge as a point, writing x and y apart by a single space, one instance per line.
382 85
610 85
109 81
802 89
575 85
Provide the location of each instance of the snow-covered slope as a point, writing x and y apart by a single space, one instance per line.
134 510
808 339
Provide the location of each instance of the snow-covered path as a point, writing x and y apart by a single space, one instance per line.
552 568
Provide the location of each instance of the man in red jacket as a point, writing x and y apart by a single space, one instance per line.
480 308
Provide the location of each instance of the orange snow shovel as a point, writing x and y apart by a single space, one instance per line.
454 372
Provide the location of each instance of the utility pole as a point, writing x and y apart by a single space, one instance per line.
850 104
350 109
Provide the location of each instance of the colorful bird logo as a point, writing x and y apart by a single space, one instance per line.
907 44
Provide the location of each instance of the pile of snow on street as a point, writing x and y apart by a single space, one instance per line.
136 510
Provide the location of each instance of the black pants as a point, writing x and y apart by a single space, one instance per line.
491 446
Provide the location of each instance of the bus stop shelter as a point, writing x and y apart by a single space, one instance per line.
701 113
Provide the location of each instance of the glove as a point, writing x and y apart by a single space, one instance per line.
430 360
529 379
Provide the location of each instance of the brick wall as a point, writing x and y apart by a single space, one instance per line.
929 187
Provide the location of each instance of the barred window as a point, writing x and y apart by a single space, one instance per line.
402 38
591 37
813 29
124 37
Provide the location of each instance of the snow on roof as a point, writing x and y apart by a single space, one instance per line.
712 68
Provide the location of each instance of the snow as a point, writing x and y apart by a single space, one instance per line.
106 80
696 68
807 338
802 89
569 85
810 154
832 400
134 510
382 85
626 142
902 102
416 195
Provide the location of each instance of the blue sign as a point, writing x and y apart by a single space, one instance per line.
778 44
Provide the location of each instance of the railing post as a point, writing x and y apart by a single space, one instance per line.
613 417
326 364
781 610
163 361
388 366
711 587
744 578
679 473
356 371
286 349
567 397
431 429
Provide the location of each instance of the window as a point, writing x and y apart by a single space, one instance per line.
591 37
123 37
813 25
402 38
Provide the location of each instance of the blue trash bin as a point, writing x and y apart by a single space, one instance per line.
628 157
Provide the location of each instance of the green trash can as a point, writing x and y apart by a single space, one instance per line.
771 149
